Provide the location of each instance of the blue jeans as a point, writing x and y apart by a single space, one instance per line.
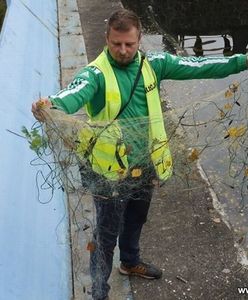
123 216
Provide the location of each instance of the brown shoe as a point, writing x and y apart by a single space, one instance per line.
144 270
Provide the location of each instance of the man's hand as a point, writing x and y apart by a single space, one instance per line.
38 109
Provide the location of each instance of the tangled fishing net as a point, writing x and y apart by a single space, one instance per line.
212 131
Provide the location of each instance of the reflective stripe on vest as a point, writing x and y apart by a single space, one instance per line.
105 157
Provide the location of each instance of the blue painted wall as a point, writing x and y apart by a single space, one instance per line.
34 252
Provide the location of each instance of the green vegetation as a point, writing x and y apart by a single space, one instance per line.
3 7
37 141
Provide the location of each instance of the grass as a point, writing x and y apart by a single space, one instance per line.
3 8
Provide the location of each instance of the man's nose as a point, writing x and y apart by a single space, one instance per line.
123 49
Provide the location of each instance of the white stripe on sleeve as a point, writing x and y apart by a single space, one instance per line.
192 63
70 91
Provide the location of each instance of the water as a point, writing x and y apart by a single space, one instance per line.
207 45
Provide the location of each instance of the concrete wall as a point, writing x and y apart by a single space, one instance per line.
34 255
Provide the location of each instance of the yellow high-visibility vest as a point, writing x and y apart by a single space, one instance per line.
104 144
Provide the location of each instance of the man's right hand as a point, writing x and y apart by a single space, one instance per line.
38 108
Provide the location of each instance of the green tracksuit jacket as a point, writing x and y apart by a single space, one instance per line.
89 85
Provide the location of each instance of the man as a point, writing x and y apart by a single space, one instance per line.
123 85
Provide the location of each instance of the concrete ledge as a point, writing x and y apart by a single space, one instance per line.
72 47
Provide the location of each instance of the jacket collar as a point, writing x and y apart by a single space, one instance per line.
115 63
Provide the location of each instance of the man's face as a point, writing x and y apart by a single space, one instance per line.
123 45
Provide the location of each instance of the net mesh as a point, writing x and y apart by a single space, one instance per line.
212 131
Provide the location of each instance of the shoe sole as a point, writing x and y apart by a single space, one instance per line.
123 272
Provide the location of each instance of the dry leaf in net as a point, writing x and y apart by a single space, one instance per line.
228 94
237 131
234 87
194 155
228 106
136 172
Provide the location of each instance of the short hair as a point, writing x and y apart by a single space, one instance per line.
122 20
